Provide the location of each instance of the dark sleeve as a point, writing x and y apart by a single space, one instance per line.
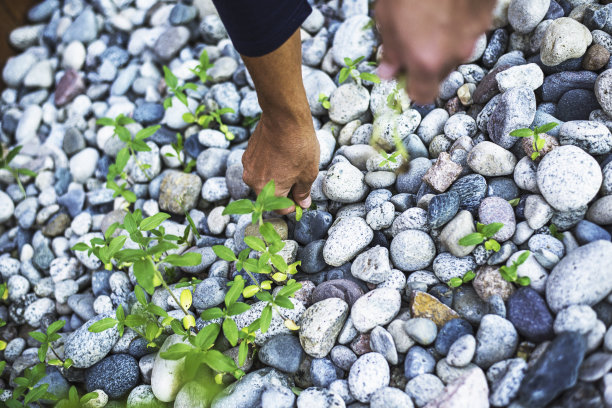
258 27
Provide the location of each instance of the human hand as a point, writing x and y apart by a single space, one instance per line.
285 151
427 39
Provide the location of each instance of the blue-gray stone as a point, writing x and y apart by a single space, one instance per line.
450 332
409 182
116 55
443 293
311 257
554 372
502 187
343 357
587 232
574 64
209 293
496 47
344 289
84 28
528 312
554 12
442 208
116 375
149 113
25 212
282 352
42 11
182 14
139 348
322 372
99 282
43 256
312 226
58 385
515 109
577 104
598 18
164 135
556 85
376 198
471 189
418 361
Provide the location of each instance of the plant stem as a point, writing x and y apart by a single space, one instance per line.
165 285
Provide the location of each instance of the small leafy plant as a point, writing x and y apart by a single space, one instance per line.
73 400
484 233
514 202
204 119
554 231
456 282
509 273
351 70
324 100
27 391
201 70
46 339
5 163
178 153
538 141
392 158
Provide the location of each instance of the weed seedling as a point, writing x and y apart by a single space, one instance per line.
554 231
388 158
509 273
73 400
514 202
456 282
484 233
201 70
178 153
351 70
15 172
324 100
538 141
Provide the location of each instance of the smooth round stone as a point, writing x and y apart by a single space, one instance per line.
461 351
442 208
515 110
410 181
6 207
457 228
488 283
531 269
600 212
503 187
576 104
528 75
382 342
497 340
369 373
390 397
312 226
344 289
343 357
424 388
489 159
564 39
595 366
524 15
248 391
528 312
412 250
116 375
471 189
447 266
593 137
418 361
380 179
496 209
450 84
381 217
469 305
587 232
372 265
320 325
537 211
557 84
311 257
432 125
344 183
575 318
352 41
421 330
602 90
568 178
348 102
346 239
413 218
209 293
505 377
319 397
322 372
86 348
376 308
458 126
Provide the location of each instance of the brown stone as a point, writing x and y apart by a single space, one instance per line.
487 88
453 105
56 225
443 173
550 144
361 344
280 226
69 87
425 305
596 57
179 188
489 282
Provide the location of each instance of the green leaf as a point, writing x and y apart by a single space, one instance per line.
102 325
36 394
524 281
279 263
162 247
105 122
176 351
123 120
522 258
116 244
212 313
38 336
243 206
234 291
455 282
492 244
468 276
206 337
366 76
348 61
144 271
277 203
269 233
540 143
514 202
358 60
219 361
535 155
526 132
186 259
490 229
283 302
255 243
230 330
266 318
298 213
243 352
344 74
505 273
26 172
224 253
545 128
88 397
134 320
153 221
81 246
170 78
291 287
55 326
237 308
474 238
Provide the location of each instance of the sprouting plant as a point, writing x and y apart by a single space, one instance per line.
2 342
554 231
179 91
249 121
456 282
515 201
324 100
27 391
484 233
201 70
73 400
509 273
204 119
369 24
538 141
132 145
388 158
394 100
15 172
178 153
351 70
46 339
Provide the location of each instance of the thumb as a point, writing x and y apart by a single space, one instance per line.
301 194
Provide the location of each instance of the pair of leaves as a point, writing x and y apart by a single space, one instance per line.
456 282
510 273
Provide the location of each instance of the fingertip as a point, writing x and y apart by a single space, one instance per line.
305 203
386 70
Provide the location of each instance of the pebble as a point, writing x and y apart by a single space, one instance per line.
372 265
344 289
312 226
496 340
515 109
116 375
586 232
369 374
528 75
390 397
376 308
470 389
320 325
425 305
282 352
348 237
412 250
276 396
348 102
529 314
442 208
424 388
457 228
471 189
447 266
575 318
525 15
421 330
496 209
85 348
565 38
602 93
576 104
461 351
556 85
600 211
537 211
344 183
248 391
319 397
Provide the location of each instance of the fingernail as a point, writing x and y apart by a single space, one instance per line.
306 202
385 71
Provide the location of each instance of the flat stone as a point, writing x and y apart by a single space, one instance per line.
320 325
427 306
